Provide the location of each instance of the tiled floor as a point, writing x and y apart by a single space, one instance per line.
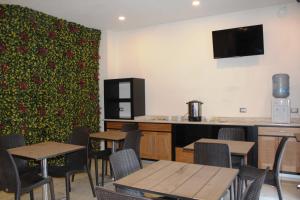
81 190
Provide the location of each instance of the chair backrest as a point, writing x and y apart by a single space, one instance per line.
129 127
123 163
132 141
9 175
78 160
105 194
253 190
12 141
279 155
232 134
212 154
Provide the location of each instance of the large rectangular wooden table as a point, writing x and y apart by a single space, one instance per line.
239 148
297 135
113 136
43 151
181 180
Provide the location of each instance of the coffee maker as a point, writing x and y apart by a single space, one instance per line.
194 112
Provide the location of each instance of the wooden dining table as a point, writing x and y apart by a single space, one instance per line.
43 151
112 135
181 180
238 148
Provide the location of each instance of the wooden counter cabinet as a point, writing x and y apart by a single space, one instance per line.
156 142
268 141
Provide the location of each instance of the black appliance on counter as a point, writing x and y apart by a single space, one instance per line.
194 110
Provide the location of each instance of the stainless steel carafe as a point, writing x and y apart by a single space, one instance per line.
194 110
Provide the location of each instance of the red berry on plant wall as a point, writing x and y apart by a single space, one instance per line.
51 65
2 48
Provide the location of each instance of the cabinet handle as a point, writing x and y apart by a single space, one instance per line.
121 109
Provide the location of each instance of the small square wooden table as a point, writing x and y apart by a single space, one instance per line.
239 148
113 136
181 180
43 151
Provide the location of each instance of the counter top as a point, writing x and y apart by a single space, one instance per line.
233 121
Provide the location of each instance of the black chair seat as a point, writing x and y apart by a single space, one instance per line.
102 154
30 169
30 180
57 171
236 162
251 173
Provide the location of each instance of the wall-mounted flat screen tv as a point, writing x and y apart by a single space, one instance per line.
242 41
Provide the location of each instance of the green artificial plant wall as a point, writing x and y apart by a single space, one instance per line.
49 75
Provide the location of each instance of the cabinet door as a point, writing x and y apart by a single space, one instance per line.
163 146
291 156
267 146
147 146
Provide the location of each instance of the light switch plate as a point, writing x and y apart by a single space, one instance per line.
243 110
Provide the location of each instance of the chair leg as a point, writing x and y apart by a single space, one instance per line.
96 172
103 172
51 187
73 177
31 195
67 180
91 182
17 196
231 192
278 187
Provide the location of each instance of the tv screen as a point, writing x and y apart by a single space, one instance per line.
243 41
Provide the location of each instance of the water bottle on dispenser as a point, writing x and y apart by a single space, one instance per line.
281 105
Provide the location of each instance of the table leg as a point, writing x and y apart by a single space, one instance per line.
45 175
245 160
113 150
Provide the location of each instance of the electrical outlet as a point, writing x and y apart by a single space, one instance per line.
243 110
294 110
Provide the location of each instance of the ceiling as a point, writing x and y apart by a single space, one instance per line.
103 14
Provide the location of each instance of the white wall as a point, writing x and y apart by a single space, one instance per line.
177 62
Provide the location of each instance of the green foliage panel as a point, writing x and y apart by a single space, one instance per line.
49 75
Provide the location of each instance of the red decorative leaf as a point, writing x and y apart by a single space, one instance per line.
93 97
81 64
23 86
52 35
73 28
61 89
22 49
4 68
96 56
61 112
51 65
2 13
41 111
42 51
2 126
95 43
22 108
82 41
96 76
3 85
24 36
81 83
2 48
37 79
69 54
82 113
